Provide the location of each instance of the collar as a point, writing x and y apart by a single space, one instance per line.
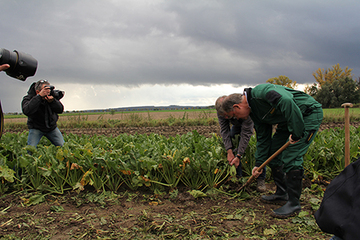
247 93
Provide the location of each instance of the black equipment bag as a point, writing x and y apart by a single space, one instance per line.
339 211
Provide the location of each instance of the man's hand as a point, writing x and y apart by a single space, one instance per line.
44 92
235 161
291 140
256 173
4 67
49 98
230 155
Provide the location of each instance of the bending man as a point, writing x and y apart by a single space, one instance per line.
229 128
298 117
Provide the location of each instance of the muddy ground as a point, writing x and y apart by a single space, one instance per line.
142 215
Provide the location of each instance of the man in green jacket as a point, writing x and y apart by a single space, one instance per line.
298 117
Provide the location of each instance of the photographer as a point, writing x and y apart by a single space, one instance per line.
42 110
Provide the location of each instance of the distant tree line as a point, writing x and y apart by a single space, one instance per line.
333 87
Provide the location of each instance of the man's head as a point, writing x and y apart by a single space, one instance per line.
218 105
235 106
219 108
40 84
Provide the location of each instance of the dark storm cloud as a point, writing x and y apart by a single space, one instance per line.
312 34
133 42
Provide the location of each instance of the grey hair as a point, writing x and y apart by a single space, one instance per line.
39 84
229 101
218 105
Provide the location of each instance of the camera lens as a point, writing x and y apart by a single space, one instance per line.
22 65
6 57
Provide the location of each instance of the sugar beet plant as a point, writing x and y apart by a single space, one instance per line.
152 161
107 163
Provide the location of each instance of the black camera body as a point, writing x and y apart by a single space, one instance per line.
22 65
57 94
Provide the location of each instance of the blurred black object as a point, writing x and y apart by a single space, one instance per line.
22 65
56 93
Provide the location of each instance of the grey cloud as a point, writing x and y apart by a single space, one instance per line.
135 42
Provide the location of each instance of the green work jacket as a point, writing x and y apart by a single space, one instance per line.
275 104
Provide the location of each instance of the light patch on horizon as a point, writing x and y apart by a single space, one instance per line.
106 96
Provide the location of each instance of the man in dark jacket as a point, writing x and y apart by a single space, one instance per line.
229 128
42 110
298 117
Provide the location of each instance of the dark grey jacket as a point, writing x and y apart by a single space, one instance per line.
247 129
42 115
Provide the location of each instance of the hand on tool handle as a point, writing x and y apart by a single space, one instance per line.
256 173
291 140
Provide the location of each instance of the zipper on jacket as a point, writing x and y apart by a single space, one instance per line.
270 111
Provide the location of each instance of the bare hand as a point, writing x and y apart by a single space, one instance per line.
230 155
44 92
235 161
49 98
4 67
291 140
256 173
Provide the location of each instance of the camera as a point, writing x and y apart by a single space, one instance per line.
57 94
22 65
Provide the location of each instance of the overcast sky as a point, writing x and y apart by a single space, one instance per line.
119 53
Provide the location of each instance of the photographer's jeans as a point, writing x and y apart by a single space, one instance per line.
54 136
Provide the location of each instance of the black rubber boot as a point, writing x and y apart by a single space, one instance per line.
280 196
294 187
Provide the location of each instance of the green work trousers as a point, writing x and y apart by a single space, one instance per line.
292 157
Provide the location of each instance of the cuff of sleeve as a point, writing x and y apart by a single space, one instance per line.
295 138
240 154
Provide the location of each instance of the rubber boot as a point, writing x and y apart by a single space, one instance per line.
294 187
280 196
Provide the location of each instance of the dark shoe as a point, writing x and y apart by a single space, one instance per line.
294 187
280 196
260 187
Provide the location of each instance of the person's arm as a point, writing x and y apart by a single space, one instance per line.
263 146
30 105
283 100
225 134
247 130
57 106
263 142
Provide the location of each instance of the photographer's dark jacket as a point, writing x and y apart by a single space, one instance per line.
42 115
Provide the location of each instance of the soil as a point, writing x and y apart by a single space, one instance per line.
140 215
143 215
